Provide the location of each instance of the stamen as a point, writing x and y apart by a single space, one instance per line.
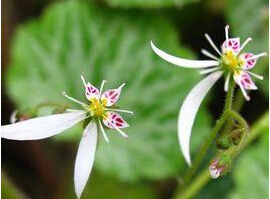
257 56
72 110
209 70
103 132
212 43
74 100
227 33
208 54
226 85
244 44
119 130
122 85
101 87
255 75
83 80
119 110
244 92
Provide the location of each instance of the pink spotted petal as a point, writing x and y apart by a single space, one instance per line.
91 91
113 119
111 96
232 44
243 79
248 64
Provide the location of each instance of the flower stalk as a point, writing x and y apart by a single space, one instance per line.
204 177
216 129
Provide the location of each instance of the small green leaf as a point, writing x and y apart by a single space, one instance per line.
72 38
100 186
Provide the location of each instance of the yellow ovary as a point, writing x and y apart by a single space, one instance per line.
231 61
97 108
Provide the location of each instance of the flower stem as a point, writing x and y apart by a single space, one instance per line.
198 159
204 149
229 96
196 185
244 125
203 178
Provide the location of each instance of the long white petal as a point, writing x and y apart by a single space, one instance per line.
85 157
189 109
183 62
209 70
41 127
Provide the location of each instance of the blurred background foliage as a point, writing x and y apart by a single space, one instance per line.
48 44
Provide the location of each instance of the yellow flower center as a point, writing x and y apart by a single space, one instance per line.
231 62
97 108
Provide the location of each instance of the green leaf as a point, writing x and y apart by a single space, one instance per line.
251 171
148 3
100 186
9 190
250 19
49 55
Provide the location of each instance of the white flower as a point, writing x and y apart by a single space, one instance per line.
99 110
231 63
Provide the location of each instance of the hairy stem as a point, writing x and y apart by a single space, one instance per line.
198 159
196 185
205 148
204 177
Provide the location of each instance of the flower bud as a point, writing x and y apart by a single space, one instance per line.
220 165
215 170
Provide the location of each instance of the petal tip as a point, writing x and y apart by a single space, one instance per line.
247 98
78 193
122 85
153 45
189 163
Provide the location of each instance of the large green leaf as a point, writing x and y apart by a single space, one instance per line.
71 38
250 19
100 186
147 3
251 172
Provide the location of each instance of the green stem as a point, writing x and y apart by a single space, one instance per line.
203 178
197 184
198 159
228 106
245 127
229 96
239 101
239 119
205 148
